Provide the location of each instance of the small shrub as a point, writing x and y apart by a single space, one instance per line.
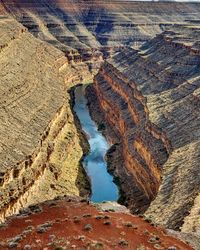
111 210
76 220
157 246
123 243
147 219
12 244
3 225
88 227
152 240
41 230
84 200
87 215
101 127
27 247
146 232
107 223
52 237
99 217
128 224
18 238
99 245
81 237
44 227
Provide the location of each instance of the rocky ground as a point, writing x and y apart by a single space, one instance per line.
70 223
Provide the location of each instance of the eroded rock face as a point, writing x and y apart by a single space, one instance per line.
40 146
150 98
143 93
72 223
90 30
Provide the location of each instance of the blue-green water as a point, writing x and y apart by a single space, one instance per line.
103 187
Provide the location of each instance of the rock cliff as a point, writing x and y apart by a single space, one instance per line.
40 146
90 30
150 98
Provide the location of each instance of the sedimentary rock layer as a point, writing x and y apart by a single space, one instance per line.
82 26
143 147
150 98
40 146
90 31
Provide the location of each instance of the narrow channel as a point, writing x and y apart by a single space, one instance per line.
103 187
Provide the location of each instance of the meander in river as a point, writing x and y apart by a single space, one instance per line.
103 187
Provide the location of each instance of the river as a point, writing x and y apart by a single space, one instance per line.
103 187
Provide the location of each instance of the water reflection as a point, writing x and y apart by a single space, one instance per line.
103 188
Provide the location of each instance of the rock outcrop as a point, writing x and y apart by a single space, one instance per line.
40 146
150 98
92 29
70 223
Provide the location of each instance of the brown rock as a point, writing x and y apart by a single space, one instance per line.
66 234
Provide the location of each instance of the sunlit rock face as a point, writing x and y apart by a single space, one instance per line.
86 25
37 128
90 31
150 98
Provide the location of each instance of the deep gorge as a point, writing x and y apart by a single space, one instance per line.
143 60
141 152
129 90
102 186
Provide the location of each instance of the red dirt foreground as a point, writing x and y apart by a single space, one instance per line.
69 223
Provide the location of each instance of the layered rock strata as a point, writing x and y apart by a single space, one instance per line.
150 98
90 31
81 26
40 146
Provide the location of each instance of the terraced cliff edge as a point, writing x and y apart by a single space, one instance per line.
150 98
40 146
91 30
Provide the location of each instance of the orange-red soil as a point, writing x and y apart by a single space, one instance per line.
71 224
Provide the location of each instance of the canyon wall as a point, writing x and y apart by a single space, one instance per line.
92 30
41 146
150 99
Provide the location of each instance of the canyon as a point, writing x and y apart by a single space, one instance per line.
91 30
103 187
150 98
143 60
